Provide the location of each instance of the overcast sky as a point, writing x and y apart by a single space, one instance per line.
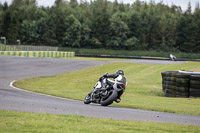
182 3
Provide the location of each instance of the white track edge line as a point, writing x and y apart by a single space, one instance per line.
11 85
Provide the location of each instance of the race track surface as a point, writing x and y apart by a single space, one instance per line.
15 68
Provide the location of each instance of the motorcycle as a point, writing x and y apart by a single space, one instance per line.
105 91
172 57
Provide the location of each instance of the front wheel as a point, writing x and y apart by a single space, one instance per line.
112 95
87 99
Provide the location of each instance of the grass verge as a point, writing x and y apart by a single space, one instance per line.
98 59
147 53
144 90
19 122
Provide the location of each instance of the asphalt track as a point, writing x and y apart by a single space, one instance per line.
14 99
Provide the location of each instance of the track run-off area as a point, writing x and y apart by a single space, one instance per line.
13 68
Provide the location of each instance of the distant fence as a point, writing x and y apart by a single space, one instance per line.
48 54
132 57
121 56
27 48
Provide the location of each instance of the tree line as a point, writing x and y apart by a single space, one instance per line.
102 24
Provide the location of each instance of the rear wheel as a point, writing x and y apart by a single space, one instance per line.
112 95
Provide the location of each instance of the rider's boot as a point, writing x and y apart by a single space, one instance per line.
118 100
119 96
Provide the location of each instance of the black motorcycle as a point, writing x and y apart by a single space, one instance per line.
105 93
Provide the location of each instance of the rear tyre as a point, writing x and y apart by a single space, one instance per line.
112 96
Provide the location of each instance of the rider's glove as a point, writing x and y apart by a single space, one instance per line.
100 79
105 75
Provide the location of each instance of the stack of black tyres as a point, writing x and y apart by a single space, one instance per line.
182 84
169 83
195 85
177 84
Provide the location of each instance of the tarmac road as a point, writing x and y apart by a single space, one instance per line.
14 99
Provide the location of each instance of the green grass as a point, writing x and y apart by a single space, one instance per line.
20 122
144 89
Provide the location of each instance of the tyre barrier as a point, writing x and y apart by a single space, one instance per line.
181 84
48 54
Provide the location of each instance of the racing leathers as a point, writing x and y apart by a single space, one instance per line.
118 78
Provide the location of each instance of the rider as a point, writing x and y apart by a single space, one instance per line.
172 57
119 76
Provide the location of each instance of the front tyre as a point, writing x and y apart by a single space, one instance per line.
87 99
112 95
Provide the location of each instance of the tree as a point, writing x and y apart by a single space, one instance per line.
1 19
134 24
84 15
48 28
131 43
28 10
137 5
85 35
73 32
185 34
58 14
16 4
100 22
118 31
196 22
189 9
115 7
145 28
172 30
29 33
187 31
43 27
14 28
6 20
163 32
73 3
